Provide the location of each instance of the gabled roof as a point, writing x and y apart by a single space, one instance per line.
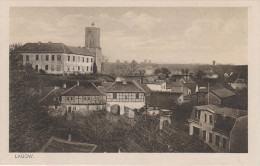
163 100
54 48
84 89
125 86
59 145
223 92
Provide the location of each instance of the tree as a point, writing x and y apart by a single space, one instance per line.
133 66
95 68
157 71
166 71
200 73
14 58
187 71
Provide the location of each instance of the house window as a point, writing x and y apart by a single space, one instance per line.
47 57
210 119
91 68
224 143
68 98
46 67
52 67
217 140
205 117
53 57
68 68
37 57
87 60
87 68
78 59
82 68
36 67
82 59
210 137
68 58
137 95
91 59
204 135
58 57
114 95
27 58
78 68
71 98
58 67
73 58
84 98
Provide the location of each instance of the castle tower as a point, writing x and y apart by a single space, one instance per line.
92 41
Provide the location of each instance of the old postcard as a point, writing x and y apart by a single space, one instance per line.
129 83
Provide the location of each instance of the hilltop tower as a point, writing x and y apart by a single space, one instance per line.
92 42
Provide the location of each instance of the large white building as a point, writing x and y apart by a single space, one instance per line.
58 58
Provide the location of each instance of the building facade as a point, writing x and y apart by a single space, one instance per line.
219 126
125 94
58 58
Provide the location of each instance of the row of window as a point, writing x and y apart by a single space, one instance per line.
125 95
82 59
58 67
210 118
80 68
58 58
217 140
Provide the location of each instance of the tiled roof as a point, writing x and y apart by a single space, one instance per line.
163 100
128 87
53 48
222 93
84 89
59 145
235 113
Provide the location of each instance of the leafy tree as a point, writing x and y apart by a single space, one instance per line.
14 58
133 66
157 71
200 73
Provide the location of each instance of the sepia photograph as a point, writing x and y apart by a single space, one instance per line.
128 80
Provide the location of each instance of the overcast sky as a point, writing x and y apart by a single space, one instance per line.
162 35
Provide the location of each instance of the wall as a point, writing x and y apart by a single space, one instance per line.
213 99
202 125
83 100
64 63
131 105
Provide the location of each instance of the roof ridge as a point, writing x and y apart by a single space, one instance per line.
97 88
46 95
69 89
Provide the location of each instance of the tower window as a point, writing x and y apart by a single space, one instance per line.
58 57
68 58
27 58
36 67
53 57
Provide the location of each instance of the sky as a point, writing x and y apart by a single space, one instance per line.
161 34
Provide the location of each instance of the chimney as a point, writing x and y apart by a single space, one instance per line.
56 87
64 85
77 82
69 137
124 82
